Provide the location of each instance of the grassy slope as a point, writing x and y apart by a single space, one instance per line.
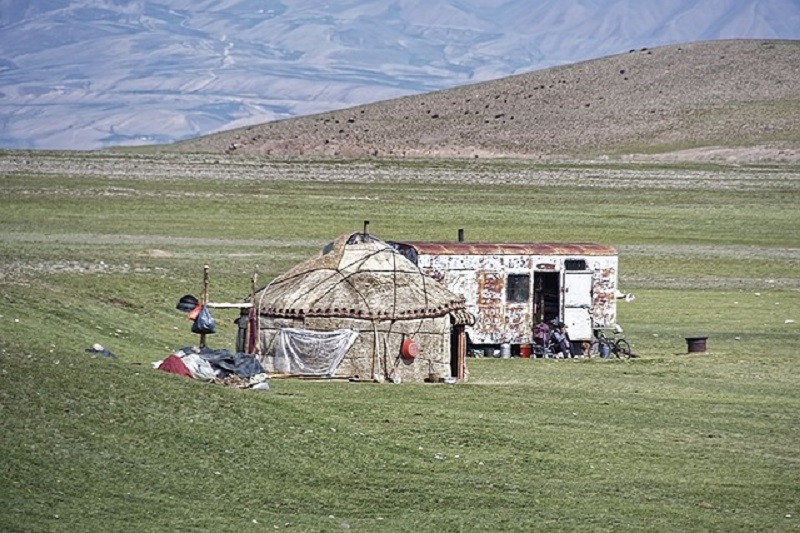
664 442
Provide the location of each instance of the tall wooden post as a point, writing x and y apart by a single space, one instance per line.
205 301
462 352
252 316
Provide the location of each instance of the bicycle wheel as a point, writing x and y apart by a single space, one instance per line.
623 349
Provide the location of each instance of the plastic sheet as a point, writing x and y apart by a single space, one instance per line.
199 367
312 353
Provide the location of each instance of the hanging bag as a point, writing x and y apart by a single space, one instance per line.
204 323
194 312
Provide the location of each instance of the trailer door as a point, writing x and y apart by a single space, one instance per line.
578 304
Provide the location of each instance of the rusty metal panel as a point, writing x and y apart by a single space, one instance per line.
485 249
604 300
490 319
490 288
519 324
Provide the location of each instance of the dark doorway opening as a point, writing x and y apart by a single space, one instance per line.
546 296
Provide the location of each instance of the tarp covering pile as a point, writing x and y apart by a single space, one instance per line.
210 364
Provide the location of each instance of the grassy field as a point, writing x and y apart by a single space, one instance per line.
90 253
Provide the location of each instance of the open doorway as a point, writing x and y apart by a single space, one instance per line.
546 296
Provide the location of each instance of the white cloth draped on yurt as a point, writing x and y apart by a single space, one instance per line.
360 310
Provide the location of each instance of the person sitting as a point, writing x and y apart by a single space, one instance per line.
541 339
561 343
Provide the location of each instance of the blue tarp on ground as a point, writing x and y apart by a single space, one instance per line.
224 362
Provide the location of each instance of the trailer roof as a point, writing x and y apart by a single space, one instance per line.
532 248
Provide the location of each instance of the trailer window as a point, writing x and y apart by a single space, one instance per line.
518 288
575 264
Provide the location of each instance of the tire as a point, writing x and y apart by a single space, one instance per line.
623 350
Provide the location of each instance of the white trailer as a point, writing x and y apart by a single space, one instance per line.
511 287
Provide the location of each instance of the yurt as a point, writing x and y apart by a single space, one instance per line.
361 310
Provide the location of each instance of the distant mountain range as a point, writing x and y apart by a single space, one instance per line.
732 100
88 74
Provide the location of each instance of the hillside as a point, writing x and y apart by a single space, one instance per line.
732 100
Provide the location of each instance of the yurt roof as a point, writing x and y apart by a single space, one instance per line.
357 276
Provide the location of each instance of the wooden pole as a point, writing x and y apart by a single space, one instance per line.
252 317
462 352
205 300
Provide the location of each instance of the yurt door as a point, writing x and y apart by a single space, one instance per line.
458 352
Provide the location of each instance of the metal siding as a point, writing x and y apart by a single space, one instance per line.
518 324
491 320
480 278
577 288
579 323
604 300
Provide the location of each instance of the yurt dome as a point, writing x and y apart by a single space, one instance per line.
356 276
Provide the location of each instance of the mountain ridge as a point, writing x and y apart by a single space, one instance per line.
737 99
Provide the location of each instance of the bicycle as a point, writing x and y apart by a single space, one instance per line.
617 347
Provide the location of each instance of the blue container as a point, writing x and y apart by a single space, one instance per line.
605 351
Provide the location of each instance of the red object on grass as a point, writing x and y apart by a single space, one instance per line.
174 365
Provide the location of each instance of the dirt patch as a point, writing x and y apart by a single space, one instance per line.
710 252
128 239
16 271
718 154
157 253
585 175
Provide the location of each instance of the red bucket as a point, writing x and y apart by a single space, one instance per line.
525 351
409 350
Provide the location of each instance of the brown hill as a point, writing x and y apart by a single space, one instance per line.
736 100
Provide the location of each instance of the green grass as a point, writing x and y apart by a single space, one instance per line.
667 441
681 443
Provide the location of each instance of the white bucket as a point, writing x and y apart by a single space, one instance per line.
505 351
